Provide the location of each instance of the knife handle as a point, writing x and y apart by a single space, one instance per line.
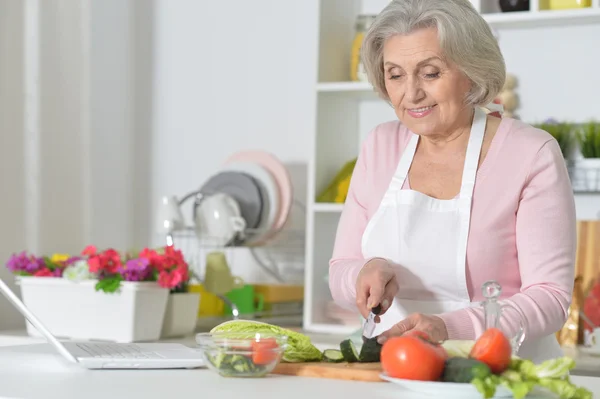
376 310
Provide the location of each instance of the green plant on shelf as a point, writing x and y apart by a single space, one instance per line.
561 131
589 139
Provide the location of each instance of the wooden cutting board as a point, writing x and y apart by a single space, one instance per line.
338 371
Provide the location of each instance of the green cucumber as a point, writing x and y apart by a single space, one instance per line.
333 356
370 351
348 351
460 369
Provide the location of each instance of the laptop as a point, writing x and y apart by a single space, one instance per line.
107 355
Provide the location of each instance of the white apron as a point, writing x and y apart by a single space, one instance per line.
428 237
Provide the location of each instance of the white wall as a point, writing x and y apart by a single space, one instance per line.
43 130
230 76
112 150
12 169
62 190
555 71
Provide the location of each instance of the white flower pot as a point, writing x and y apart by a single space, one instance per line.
181 315
587 174
76 310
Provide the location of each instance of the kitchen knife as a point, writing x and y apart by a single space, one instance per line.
369 325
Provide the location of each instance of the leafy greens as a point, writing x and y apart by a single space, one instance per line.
522 376
300 348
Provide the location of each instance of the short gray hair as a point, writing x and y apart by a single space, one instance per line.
464 36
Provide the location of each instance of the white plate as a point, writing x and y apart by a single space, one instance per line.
270 194
445 390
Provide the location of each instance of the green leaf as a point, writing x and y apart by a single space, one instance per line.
553 368
562 132
49 264
564 389
589 140
487 386
109 284
514 382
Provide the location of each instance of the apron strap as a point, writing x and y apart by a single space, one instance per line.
473 153
405 162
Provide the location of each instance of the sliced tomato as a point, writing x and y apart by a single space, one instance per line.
264 351
493 349
412 358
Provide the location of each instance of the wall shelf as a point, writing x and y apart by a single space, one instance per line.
325 207
533 19
330 87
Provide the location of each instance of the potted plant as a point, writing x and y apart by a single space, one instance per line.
182 312
562 132
588 167
101 295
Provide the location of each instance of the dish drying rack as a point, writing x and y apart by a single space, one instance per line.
285 249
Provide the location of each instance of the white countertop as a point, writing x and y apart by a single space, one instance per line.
30 368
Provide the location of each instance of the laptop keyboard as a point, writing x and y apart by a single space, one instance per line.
124 351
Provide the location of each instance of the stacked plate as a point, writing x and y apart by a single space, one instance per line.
262 187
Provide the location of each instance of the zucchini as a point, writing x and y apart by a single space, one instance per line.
348 351
370 351
333 356
460 369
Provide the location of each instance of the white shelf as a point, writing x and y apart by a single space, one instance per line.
532 19
331 87
325 207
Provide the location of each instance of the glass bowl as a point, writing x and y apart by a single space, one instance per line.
235 354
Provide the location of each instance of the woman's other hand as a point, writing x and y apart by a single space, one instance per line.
376 285
433 326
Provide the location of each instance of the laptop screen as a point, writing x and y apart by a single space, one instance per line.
29 316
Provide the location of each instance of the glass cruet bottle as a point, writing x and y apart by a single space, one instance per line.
493 312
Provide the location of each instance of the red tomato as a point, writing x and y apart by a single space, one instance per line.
264 351
412 358
424 336
493 349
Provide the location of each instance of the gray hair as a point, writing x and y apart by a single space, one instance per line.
464 36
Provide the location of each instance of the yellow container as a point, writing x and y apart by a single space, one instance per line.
210 304
568 4
278 293
357 72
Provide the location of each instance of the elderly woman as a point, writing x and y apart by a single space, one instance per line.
449 196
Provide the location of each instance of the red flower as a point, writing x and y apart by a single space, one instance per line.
45 272
155 259
173 278
173 257
172 268
107 261
90 250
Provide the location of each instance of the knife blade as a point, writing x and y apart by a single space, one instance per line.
370 324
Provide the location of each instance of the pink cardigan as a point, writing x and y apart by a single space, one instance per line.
523 230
